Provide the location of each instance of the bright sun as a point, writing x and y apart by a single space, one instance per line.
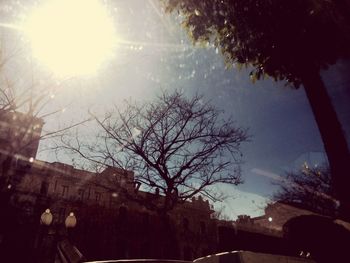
72 37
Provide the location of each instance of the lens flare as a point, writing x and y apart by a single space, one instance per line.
71 37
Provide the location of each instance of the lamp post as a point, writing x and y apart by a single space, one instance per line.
48 240
43 241
70 223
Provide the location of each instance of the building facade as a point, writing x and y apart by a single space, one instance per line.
109 225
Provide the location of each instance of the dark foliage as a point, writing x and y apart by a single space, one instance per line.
281 39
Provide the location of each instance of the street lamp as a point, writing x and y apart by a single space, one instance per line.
48 237
70 221
44 242
46 218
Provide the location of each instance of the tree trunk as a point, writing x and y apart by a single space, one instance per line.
169 241
333 138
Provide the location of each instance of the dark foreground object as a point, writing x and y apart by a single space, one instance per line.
140 261
226 257
325 240
250 257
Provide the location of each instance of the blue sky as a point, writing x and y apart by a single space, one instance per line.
155 53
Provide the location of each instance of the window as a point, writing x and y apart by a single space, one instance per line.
88 194
55 187
97 197
65 190
81 194
44 188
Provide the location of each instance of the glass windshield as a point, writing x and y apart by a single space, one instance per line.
172 129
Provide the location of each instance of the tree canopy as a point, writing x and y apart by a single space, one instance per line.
281 39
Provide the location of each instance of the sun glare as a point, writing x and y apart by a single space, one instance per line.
71 37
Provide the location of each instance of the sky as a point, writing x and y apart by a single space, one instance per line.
153 53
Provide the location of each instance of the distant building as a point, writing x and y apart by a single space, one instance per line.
277 214
253 224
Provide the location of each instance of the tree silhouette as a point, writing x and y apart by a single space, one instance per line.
177 148
288 40
309 188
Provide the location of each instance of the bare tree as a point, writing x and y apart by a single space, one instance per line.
220 214
309 188
177 148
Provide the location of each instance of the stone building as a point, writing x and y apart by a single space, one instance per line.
109 225
277 214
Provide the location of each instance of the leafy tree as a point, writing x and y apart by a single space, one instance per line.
177 147
289 40
309 188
